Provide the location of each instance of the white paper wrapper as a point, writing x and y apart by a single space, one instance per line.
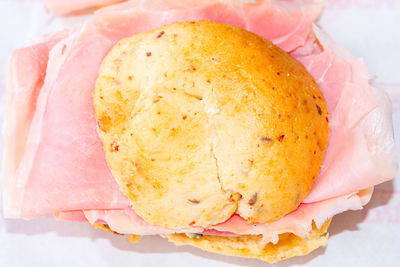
370 237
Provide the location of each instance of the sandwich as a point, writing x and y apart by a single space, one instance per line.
212 124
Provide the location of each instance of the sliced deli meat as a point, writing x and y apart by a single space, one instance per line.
298 222
57 145
72 215
56 163
71 6
361 150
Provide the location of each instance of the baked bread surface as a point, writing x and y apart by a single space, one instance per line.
200 120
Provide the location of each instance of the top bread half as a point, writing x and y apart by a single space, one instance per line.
200 120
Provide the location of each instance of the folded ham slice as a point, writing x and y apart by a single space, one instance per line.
57 164
361 148
70 6
72 216
298 222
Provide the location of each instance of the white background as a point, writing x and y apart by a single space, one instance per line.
371 237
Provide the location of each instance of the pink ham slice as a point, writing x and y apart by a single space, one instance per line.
62 165
299 222
62 160
70 6
361 149
73 216
128 222
27 71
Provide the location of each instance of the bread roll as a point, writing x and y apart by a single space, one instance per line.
200 120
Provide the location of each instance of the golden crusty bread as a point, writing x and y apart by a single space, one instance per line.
289 245
200 120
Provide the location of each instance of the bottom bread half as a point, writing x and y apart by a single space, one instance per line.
250 246
289 245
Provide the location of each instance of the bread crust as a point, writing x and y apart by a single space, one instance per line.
289 245
200 120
